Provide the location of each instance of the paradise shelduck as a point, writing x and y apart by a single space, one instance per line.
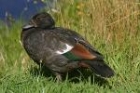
60 49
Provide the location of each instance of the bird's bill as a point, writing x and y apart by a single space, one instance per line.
27 26
30 25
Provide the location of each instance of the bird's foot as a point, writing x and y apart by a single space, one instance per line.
58 77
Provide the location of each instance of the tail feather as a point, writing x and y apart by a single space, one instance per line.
100 68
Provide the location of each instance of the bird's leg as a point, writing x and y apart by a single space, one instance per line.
58 77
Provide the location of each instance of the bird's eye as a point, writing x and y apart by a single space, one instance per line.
38 18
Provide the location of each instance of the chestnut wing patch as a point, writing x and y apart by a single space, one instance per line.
82 52
79 52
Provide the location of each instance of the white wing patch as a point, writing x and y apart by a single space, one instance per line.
68 48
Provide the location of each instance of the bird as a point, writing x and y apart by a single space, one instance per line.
60 49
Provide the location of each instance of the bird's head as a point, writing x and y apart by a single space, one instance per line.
42 20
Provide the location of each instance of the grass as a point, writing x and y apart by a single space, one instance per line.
110 26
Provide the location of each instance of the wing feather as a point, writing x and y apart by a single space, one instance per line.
76 45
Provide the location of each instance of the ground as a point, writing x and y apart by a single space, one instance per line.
112 27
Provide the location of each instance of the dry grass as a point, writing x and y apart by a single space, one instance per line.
112 26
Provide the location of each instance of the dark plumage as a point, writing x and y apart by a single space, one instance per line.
60 49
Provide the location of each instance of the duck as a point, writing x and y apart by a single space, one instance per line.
60 49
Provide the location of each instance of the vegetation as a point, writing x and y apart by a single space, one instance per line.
111 26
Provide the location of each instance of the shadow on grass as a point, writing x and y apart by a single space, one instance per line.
75 76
